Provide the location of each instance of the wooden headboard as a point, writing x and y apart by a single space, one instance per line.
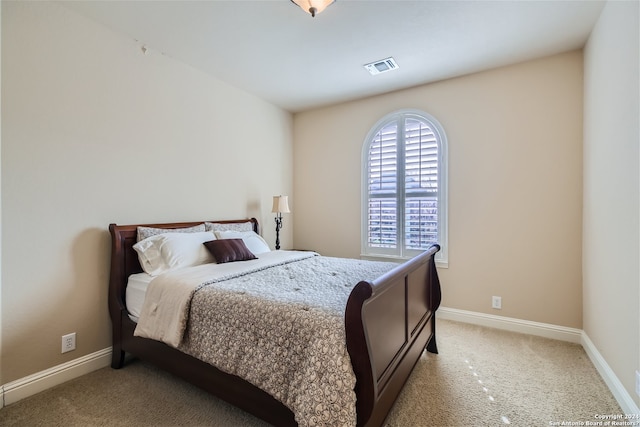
124 259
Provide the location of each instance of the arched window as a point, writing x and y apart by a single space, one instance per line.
404 187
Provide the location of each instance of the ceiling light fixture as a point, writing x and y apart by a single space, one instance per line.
313 6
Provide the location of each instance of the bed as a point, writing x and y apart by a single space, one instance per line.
388 322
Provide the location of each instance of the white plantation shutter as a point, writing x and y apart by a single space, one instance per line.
404 202
421 185
382 227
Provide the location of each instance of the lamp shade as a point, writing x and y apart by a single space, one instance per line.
313 7
280 204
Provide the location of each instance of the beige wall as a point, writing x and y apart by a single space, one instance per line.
611 191
93 132
515 184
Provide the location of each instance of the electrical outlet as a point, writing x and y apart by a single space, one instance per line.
496 302
68 342
638 383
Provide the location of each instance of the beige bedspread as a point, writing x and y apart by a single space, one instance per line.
165 310
282 329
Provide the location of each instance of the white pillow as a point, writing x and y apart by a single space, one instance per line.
233 226
168 251
254 242
146 232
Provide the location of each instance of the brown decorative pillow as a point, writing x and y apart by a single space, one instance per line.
229 250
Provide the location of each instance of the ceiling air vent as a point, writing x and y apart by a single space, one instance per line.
381 66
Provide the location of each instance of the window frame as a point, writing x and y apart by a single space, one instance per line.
400 253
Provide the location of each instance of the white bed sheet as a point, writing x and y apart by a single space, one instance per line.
136 289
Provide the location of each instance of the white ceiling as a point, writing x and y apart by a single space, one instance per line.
276 51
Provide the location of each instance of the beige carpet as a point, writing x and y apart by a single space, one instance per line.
482 377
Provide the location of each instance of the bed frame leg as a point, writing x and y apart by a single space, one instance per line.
117 358
432 347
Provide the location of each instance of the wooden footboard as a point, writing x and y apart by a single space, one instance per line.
388 323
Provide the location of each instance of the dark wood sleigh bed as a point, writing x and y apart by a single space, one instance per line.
388 324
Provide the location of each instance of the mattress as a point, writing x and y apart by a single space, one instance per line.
136 289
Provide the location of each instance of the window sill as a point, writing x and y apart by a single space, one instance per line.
399 260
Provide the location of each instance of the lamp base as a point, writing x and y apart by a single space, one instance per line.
278 227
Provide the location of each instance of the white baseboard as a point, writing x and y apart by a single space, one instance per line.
578 336
28 386
621 395
546 330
